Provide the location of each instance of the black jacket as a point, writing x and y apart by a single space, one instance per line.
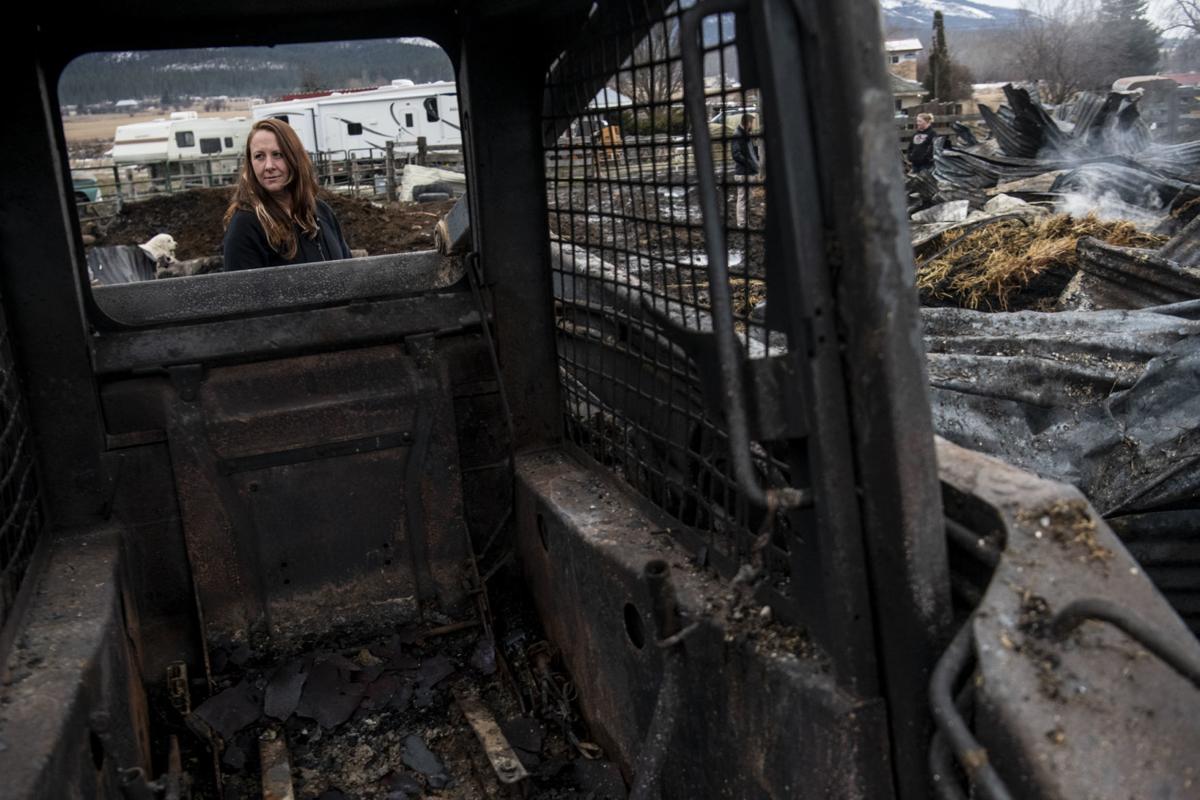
246 245
745 154
920 149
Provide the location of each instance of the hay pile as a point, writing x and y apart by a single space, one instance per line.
747 293
1013 264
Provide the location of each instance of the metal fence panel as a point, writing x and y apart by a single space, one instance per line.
630 273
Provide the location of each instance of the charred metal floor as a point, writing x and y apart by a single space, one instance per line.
402 715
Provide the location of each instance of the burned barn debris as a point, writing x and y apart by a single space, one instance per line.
420 713
1091 377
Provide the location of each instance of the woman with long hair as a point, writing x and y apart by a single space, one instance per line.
275 217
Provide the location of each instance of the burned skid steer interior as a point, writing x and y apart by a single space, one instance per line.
628 487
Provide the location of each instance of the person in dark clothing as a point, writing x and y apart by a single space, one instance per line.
275 217
745 165
920 149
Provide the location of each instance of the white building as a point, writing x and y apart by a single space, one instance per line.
902 57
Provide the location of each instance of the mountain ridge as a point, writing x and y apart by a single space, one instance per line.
958 14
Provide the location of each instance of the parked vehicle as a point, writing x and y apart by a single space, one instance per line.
181 137
87 190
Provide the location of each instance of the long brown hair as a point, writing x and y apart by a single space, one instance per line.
249 195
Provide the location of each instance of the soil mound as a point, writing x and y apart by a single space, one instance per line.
194 219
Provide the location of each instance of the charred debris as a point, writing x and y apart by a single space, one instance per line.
445 709
1083 228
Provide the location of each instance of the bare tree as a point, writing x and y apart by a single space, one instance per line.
654 72
1183 15
1056 44
1181 18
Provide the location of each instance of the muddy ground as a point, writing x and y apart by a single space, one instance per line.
194 219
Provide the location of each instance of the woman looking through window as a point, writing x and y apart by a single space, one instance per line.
275 217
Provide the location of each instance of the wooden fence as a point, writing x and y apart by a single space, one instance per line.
360 172
942 126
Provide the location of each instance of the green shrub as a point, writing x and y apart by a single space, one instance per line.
651 121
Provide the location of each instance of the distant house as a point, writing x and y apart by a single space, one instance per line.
127 106
902 57
906 93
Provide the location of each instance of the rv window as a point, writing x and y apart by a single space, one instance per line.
170 168
431 109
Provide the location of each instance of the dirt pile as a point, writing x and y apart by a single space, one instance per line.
194 219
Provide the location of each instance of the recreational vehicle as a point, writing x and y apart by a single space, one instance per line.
198 151
401 112
183 136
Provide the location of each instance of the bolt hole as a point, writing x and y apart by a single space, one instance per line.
633 626
287 581
541 527
387 562
97 750
283 564
656 568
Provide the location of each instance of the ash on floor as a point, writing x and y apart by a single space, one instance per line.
380 720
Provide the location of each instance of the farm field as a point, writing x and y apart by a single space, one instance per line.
90 127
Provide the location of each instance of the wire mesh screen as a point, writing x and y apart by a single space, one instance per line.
630 261
20 507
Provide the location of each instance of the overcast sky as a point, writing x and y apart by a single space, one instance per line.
1160 10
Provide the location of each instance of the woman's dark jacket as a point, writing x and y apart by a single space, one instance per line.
246 245
744 152
920 149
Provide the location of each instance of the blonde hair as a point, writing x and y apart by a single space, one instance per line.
249 194
925 115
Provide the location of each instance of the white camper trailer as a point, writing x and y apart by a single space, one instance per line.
400 112
181 137
200 151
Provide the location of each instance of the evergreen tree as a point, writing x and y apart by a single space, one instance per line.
939 60
946 80
1130 42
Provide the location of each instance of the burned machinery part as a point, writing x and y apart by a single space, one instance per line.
21 505
284 486
668 635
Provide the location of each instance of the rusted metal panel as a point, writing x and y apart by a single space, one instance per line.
1126 277
220 295
227 590
766 717
320 492
278 335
